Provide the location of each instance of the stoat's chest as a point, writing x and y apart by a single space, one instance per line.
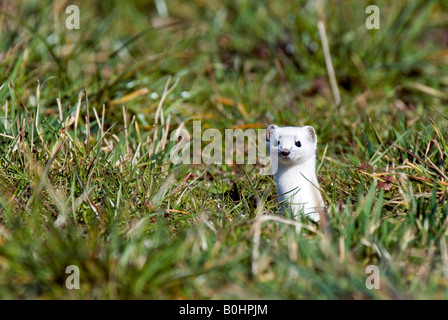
289 178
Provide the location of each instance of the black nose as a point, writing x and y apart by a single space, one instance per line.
285 153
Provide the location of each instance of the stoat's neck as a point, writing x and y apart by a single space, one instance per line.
287 173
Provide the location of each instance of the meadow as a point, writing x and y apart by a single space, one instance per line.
86 178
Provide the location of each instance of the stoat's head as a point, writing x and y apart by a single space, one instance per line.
292 145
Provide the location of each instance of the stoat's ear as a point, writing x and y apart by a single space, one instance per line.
311 134
270 131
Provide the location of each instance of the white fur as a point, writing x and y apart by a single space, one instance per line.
296 180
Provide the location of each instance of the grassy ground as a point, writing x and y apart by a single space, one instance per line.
85 177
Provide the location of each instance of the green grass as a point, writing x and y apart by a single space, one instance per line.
93 186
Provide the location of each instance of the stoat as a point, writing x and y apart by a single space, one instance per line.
293 155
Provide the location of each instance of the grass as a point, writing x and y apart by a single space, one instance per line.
86 178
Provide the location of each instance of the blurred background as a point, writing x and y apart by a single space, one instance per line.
238 62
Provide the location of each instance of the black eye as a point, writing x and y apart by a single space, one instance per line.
298 144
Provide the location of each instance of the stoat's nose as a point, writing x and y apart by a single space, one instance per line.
285 153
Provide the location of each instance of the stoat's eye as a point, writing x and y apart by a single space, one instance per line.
298 144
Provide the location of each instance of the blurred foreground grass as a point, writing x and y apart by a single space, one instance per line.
85 177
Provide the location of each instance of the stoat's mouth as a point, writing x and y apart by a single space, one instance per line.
284 158
284 155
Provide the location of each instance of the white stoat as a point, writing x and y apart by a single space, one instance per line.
293 155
